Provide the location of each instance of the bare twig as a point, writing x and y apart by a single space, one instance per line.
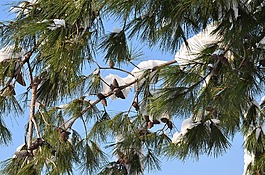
118 69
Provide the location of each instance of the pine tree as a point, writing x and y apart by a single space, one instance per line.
53 48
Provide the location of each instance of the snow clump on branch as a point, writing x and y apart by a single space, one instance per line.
57 23
23 7
188 124
136 73
187 54
8 53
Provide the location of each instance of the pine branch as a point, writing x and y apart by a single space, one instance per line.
32 121
26 60
115 68
111 93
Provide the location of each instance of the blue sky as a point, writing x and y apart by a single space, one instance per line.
231 163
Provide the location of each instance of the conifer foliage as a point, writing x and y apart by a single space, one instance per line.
53 62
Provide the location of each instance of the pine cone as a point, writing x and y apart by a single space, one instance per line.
118 93
101 96
12 89
20 79
156 121
146 118
22 153
111 63
34 145
150 125
164 119
104 102
115 83
170 125
65 135
135 105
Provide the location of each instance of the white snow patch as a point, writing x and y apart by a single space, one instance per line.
261 43
258 131
37 105
190 123
187 55
96 71
207 79
215 121
60 22
21 8
136 73
218 52
144 65
187 124
7 53
209 122
210 65
57 23
248 159
121 81
235 8
177 137
63 106
116 30
32 1
19 148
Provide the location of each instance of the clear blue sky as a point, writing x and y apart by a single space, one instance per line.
231 163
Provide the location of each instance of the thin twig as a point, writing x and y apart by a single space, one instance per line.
43 118
115 68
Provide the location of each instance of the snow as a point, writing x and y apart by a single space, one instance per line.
144 65
21 7
19 148
234 6
7 53
119 138
177 137
207 80
261 43
60 22
186 124
258 131
187 55
259 8
218 52
96 71
32 1
248 159
215 121
136 73
116 30
190 123
121 81
63 106
37 105
209 122
57 23
4 55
